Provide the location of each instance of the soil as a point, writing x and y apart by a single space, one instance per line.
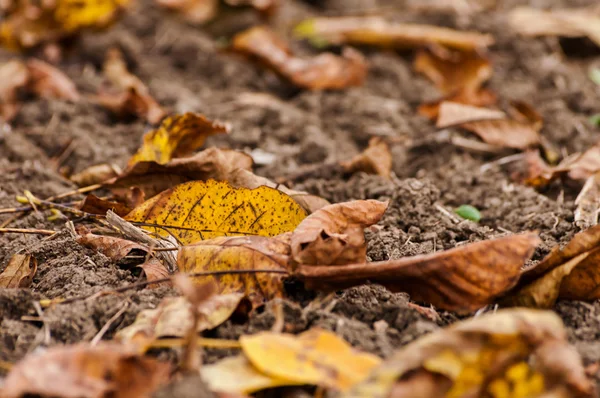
308 132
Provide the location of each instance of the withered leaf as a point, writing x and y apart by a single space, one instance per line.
376 159
47 81
95 174
13 77
324 71
154 269
132 96
177 136
19 271
508 353
377 31
194 11
200 210
112 247
335 234
95 205
249 253
453 114
87 371
173 318
462 279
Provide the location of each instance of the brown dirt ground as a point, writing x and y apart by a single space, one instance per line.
309 133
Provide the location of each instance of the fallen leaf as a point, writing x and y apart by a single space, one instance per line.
95 174
152 178
194 11
19 271
377 31
29 24
335 234
173 318
112 247
571 22
95 205
247 254
46 81
132 96
154 270
462 279
588 202
509 353
455 114
83 370
177 136
267 7
483 97
13 77
376 159
324 71
200 210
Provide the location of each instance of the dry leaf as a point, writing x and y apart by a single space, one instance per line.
152 178
95 174
324 71
248 253
377 31
13 77
46 81
588 202
132 96
454 114
335 234
200 210
462 279
194 11
376 159
482 97
509 353
19 271
267 7
560 22
154 270
317 357
173 318
28 24
85 371
114 248
177 136
94 205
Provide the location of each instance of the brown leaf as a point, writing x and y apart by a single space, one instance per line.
19 271
154 269
324 71
588 202
13 77
133 97
152 178
508 353
194 11
482 97
461 279
95 174
377 31
334 235
47 81
453 114
248 253
86 371
94 205
114 248
267 7
376 159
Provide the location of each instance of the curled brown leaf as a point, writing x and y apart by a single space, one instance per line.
19 271
376 159
46 81
114 248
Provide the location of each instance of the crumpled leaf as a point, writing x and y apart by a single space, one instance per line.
173 318
152 177
86 371
95 174
568 273
324 71
238 253
200 210
13 77
27 23
19 271
489 125
335 234
95 205
509 353
570 22
377 31
317 357
462 279
177 136
46 81
376 159
154 269
132 97
112 247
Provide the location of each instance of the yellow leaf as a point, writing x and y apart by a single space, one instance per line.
200 210
237 375
19 271
314 357
177 136
240 253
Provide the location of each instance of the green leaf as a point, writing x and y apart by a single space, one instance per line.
595 120
468 212
595 75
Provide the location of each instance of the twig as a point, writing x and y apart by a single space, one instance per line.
108 324
200 342
89 188
40 312
502 161
26 231
445 212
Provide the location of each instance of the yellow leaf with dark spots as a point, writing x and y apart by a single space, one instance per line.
199 210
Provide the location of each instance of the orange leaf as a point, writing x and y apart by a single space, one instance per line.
325 71
376 159
19 271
